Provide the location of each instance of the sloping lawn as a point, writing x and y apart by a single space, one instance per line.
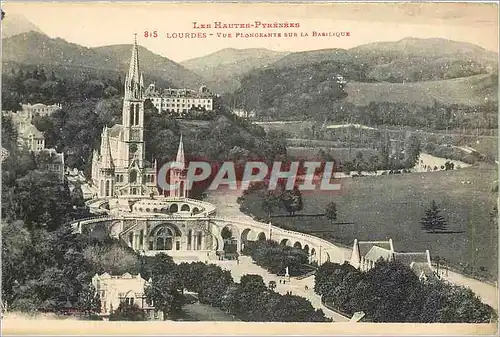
382 207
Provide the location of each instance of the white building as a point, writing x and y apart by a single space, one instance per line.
244 113
126 288
40 109
339 79
180 101
30 137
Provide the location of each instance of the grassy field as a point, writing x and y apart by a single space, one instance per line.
467 91
391 207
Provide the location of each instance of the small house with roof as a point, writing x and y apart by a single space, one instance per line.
31 138
366 253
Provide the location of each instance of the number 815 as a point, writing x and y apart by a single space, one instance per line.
151 34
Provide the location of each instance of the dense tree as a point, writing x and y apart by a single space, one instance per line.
331 211
165 289
15 264
391 292
39 200
9 134
292 201
189 275
128 312
412 150
433 221
270 203
215 282
275 257
89 301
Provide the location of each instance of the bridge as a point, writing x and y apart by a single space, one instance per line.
242 231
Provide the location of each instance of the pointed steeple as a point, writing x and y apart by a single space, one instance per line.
106 159
180 154
133 83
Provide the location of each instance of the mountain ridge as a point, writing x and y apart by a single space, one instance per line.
15 24
57 52
224 68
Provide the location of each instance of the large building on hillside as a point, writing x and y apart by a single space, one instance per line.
40 109
119 168
180 101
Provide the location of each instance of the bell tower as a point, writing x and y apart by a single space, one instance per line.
178 175
133 112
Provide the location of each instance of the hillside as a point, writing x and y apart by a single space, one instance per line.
14 24
223 69
407 60
470 91
421 72
74 59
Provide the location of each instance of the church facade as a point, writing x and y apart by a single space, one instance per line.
119 167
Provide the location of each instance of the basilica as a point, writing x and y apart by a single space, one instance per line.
119 168
146 218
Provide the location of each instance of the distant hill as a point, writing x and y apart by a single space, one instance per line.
34 48
223 69
14 24
409 71
407 60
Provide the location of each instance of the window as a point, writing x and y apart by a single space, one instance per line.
133 177
129 300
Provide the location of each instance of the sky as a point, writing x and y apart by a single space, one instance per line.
98 24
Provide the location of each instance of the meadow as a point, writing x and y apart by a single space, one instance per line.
469 91
383 207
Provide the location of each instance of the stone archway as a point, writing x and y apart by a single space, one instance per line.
306 249
165 237
297 245
174 208
261 236
230 237
185 208
285 242
313 257
244 237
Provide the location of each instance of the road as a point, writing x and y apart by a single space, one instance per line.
226 204
297 287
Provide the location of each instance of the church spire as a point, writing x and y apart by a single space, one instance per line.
106 159
133 85
180 154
